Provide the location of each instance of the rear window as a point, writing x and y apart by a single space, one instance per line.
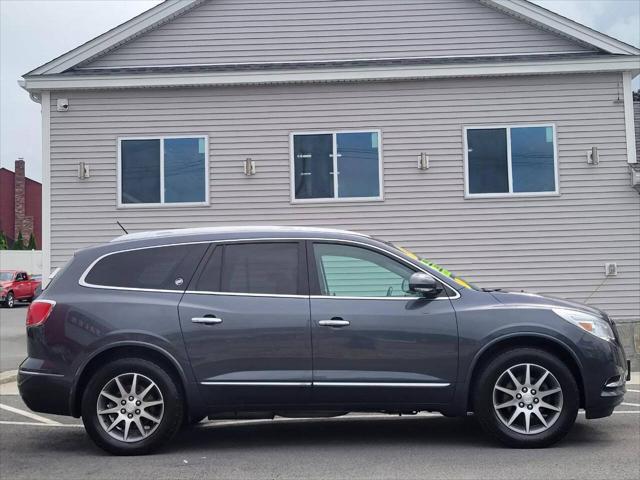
157 268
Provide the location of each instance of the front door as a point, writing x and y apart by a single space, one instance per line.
245 321
375 344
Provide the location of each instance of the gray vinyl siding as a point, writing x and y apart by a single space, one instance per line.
556 245
230 31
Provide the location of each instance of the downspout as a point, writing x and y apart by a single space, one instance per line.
627 92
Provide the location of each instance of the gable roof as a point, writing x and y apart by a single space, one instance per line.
170 9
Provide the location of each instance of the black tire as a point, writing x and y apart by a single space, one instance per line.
484 404
172 416
10 300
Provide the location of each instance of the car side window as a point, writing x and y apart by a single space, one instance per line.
157 268
209 280
21 277
264 268
349 271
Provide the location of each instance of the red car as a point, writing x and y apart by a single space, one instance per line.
16 285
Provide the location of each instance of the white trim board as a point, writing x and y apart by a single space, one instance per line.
169 9
45 103
629 119
351 74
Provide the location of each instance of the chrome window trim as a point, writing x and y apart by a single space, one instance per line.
331 384
83 283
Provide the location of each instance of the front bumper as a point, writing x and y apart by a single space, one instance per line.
605 377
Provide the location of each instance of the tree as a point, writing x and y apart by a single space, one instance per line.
4 245
19 243
32 242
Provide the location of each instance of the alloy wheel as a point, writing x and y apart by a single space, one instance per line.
527 398
10 300
130 407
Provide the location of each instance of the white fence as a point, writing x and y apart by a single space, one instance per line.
28 260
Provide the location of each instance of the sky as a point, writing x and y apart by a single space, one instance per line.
33 32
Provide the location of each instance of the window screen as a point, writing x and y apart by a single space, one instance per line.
159 268
267 268
337 165
167 170
511 160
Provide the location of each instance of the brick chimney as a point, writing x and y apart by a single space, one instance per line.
23 223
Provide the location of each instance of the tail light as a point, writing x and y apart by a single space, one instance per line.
39 311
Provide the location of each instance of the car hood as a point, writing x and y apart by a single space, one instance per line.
4 284
524 298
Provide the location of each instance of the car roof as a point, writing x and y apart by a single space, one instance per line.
253 231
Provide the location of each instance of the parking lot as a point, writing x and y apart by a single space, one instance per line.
357 446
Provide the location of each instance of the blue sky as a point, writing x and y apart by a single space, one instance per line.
35 31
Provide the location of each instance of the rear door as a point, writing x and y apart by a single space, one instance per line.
374 343
246 325
21 286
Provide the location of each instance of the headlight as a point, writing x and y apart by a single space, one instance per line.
587 322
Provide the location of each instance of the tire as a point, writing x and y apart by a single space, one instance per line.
495 407
165 406
10 301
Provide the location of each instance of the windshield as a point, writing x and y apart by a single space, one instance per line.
6 276
433 266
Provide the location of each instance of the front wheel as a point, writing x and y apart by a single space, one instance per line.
132 407
526 398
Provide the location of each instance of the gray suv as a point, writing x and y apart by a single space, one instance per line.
158 330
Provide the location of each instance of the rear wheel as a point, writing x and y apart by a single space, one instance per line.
132 407
10 300
526 398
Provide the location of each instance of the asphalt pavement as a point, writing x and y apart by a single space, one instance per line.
38 446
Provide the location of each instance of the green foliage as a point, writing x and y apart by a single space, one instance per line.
4 245
32 242
19 243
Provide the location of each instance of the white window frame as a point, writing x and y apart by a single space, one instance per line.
335 198
510 193
162 203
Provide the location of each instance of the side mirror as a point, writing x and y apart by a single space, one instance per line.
424 284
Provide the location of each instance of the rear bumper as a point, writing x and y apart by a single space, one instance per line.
44 392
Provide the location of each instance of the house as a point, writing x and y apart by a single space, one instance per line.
492 136
20 205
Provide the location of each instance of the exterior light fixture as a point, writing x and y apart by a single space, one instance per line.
423 161
593 156
249 167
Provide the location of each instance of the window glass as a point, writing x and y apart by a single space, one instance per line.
267 268
523 164
160 268
358 165
21 277
488 168
313 158
347 271
140 171
209 280
173 172
184 160
532 157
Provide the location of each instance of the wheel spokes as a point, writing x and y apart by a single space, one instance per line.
518 401
119 407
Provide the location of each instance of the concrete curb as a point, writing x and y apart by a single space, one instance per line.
8 376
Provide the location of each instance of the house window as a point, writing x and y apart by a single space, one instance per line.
336 166
505 161
163 171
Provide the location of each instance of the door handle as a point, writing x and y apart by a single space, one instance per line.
334 322
206 320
